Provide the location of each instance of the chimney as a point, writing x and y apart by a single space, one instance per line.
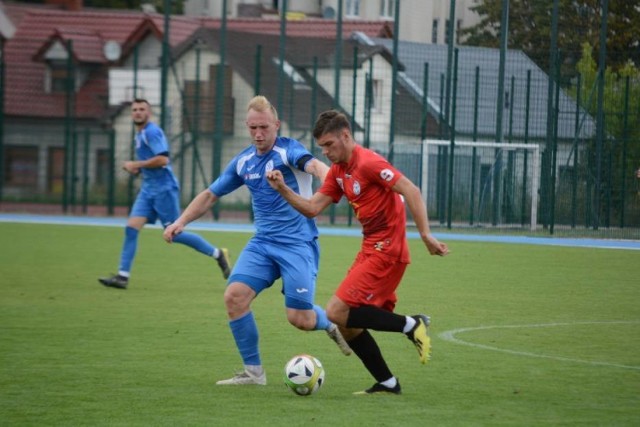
73 5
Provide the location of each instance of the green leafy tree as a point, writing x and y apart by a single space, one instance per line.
622 119
578 22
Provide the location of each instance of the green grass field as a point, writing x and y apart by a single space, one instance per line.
522 335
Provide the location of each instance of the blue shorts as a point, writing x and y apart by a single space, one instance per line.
263 262
163 205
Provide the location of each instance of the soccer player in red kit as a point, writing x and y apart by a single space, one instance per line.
366 298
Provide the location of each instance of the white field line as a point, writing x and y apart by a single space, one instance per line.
451 337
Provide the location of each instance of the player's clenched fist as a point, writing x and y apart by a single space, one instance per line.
275 179
171 231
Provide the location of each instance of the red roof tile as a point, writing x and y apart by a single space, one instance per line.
89 29
311 27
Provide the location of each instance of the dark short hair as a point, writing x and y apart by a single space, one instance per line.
330 121
140 101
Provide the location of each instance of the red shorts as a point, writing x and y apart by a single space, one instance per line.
372 280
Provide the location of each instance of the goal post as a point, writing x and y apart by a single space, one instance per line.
494 184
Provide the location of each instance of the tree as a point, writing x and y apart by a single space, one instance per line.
621 155
578 22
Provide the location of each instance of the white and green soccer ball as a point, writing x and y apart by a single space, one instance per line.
304 375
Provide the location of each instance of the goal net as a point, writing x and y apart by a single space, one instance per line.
481 184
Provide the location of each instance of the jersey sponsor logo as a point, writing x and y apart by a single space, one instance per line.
340 183
248 176
356 188
386 174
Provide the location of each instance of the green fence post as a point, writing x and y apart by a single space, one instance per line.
368 104
394 81
195 125
74 163
574 180
258 65
218 134
625 137
314 100
281 52
2 80
526 153
554 151
111 187
509 203
452 143
474 150
85 171
504 36
132 133
602 62
425 117
68 126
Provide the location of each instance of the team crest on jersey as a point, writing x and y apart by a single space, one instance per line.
386 174
356 188
340 183
380 246
269 166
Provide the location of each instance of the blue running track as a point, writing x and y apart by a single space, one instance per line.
333 231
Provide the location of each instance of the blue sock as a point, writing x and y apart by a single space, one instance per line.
129 248
245 332
196 242
322 321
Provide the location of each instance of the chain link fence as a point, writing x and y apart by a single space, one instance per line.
63 150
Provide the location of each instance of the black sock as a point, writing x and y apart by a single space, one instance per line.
370 317
366 348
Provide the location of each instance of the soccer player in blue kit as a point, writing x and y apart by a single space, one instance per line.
158 196
285 244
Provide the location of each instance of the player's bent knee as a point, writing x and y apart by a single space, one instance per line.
237 298
302 319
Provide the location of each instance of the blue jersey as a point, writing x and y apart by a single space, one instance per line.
150 142
274 217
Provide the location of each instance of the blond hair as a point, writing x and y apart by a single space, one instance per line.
261 104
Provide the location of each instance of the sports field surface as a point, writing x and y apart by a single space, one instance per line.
523 334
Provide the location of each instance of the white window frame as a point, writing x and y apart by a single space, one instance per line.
387 8
352 8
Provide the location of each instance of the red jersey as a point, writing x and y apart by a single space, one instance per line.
366 182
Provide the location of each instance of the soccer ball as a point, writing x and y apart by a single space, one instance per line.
304 375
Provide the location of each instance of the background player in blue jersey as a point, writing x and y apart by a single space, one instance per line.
285 244
158 197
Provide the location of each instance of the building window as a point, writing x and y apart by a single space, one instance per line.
446 32
103 165
55 170
21 167
57 77
434 31
352 8
376 103
387 8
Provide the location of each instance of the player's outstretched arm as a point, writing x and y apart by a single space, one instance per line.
134 166
198 207
307 207
418 210
318 169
